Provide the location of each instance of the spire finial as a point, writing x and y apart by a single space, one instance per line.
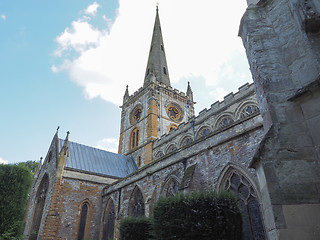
58 129
157 6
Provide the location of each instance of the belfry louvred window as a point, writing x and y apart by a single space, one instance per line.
134 139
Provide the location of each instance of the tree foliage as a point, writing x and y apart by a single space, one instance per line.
31 165
201 215
15 183
133 228
204 215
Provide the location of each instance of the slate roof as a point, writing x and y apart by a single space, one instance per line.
97 161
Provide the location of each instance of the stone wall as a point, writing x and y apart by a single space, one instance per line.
282 39
73 194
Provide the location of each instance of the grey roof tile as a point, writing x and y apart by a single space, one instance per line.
94 160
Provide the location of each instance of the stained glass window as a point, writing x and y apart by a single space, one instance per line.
252 224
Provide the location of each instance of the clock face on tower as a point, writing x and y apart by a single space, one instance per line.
174 113
136 114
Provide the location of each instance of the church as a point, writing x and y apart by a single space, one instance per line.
262 142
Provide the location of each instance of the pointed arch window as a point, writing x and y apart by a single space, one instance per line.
252 223
39 206
136 204
83 221
109 221
171 187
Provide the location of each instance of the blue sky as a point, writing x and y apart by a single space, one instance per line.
66 63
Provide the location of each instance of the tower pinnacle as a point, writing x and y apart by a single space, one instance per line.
157 63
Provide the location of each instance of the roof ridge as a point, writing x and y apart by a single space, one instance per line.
91 147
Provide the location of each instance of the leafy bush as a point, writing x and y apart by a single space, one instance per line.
204 215
15 183
135 228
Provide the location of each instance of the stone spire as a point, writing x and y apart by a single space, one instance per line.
189 92
157 63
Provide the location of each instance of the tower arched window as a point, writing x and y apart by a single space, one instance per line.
134 138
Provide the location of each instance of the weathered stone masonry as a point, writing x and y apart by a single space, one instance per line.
283 54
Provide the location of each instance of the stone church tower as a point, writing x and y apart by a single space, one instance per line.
155 109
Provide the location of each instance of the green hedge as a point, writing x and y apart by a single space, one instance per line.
15 183
204 215
135 228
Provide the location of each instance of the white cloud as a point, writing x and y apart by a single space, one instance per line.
3 16
80 37
2 161
199 37
92 9
54 69
108 144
